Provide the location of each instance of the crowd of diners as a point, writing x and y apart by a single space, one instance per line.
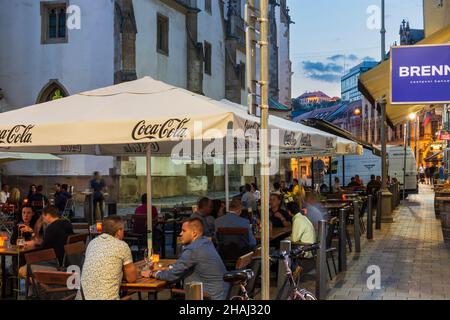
109 261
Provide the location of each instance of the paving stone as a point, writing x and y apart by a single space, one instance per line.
411 254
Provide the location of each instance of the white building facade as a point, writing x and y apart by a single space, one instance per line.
56 48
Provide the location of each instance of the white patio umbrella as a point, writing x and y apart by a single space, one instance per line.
128 118
6 157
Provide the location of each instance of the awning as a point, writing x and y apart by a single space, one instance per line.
433 157
14 156
339 132
375 83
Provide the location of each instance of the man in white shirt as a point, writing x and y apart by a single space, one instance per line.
4 194
108 260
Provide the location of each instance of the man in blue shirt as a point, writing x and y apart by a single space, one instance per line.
233 220
442 172
199 262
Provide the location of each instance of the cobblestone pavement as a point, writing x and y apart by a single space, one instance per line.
411 253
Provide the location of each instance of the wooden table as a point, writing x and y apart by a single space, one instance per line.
147 284
276 233
11 251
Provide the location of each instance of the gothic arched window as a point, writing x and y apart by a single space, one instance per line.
52 91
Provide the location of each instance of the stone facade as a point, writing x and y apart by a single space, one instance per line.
117 43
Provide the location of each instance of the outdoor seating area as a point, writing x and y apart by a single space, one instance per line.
235 234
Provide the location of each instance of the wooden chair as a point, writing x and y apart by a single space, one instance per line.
43 260
52 285
80 237
80 227
74 254
241 264
232 244
244 261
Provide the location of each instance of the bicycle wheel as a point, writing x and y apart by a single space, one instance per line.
307 295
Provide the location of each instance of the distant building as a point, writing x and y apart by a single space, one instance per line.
346 115
410 36
313 98
349 82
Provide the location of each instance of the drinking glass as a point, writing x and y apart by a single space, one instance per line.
20 241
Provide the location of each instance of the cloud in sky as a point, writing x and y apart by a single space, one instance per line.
327 72
332 70
341 57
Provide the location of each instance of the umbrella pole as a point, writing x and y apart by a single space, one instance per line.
227 184
264 70
149 198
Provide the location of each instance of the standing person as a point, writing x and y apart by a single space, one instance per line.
422 174
108 261
248 199
199 262
427 175
442 172
4 194
432 172
98 186
256 192
373 186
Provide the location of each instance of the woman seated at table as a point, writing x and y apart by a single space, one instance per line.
25 226
278 216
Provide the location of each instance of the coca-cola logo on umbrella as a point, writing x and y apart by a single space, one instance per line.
19 134
172 128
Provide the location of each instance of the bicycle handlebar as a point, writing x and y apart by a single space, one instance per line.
294 252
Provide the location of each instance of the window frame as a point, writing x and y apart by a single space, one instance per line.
208 8
242 75
162 48
207 61
45 7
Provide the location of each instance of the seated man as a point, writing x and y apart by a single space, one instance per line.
278 217
55 236
199 261
302 229
204 210
142 209
353 183
108 260
233 220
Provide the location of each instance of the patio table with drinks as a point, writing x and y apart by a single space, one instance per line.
14 251
150 285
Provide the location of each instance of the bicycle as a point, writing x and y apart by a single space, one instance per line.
294 292
240 277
